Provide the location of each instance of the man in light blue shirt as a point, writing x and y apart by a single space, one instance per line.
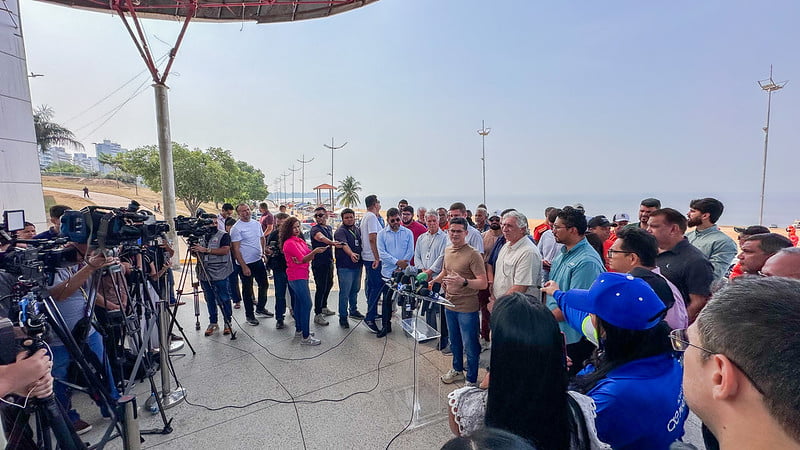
718 247
396 248
428 258
576 266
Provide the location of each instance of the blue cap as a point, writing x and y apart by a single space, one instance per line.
620 299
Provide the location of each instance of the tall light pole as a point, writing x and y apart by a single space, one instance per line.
769 86
285 194
278 184
333 147
293 169
483 132
303 175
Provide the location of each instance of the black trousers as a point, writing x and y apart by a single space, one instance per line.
323 278
258 272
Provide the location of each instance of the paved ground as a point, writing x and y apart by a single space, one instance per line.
353 391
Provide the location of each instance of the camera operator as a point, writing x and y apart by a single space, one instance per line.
213 270
28 377
111 305
277 263
56 211
70 291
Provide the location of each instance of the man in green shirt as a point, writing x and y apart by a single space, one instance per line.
707 237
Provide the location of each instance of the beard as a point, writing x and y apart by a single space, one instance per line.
693 222
494 226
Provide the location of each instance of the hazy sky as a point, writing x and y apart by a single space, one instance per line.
581 96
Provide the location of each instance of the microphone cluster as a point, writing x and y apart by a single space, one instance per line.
411 286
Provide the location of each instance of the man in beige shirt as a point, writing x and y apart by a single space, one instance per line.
519 263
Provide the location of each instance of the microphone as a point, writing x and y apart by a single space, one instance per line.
422 277
411 271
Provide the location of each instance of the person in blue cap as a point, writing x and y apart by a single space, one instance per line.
634 376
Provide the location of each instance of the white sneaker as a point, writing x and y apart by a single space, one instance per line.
300 334
452 376
310 340
470 384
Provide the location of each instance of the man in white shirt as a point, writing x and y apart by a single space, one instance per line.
370 226
519 263
248 245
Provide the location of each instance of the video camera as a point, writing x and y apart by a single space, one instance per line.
105 226
38 259
194 228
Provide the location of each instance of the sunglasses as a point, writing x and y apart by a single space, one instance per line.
394 220
319 215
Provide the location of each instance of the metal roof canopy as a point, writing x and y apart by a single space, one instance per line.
263 11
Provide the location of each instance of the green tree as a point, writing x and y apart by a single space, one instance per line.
50 133
64 167
196 173
348 192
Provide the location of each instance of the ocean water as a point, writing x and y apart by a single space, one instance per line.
780 209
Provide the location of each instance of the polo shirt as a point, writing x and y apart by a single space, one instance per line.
688 268
249 235
716 245
518 264
266 220
325 258
351 236
576 268
640 404
394 246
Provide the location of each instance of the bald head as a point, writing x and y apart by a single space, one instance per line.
785 263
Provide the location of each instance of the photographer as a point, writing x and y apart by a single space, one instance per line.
70 291
277 263
213 269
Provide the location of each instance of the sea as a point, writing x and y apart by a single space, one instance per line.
741 208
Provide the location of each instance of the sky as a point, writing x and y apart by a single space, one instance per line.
581 96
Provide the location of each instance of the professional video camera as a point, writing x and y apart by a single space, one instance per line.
105 226
194 228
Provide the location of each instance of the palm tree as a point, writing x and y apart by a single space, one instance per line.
49 133
348 192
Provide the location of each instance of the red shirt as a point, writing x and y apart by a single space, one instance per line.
541 228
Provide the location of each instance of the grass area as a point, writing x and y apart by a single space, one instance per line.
146 197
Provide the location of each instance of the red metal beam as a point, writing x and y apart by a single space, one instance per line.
174 51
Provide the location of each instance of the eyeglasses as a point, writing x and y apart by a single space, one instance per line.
319 215
396 219
611 252
494 220
680 343
560 228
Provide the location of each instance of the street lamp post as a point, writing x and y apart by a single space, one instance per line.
769 86
293 169
333 147
483 132
303 177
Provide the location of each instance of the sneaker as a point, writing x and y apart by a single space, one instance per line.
252 321
470 384
310 340
319 319
264 313
344 323
327 311
452 376
356 315
227 330
213 328
447 351
300 334
81 427
237 305
280 325
371 326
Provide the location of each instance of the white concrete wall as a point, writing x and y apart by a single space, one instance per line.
20 181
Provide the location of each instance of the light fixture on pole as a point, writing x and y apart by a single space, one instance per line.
333 147
483 132
769 86
303 177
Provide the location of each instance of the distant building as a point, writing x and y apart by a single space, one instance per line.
107 148
86 162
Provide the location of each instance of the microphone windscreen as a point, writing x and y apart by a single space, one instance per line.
436 288
422 277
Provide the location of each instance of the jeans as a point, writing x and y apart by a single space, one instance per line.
233 284
463 329
323 278
386 307
373 288
349 285
216 292
258 272
281 284
61 362
302 305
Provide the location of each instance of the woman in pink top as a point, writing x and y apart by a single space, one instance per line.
298 256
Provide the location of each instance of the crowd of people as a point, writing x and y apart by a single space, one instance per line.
603 333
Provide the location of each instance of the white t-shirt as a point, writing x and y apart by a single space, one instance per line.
369 224
249 234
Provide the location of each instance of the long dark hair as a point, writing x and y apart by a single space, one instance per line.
620 346
285 231
528 388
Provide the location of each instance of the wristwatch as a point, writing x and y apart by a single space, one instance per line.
465 283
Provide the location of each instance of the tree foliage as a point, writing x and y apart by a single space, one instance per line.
200 176
348 192
64 167
49 133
